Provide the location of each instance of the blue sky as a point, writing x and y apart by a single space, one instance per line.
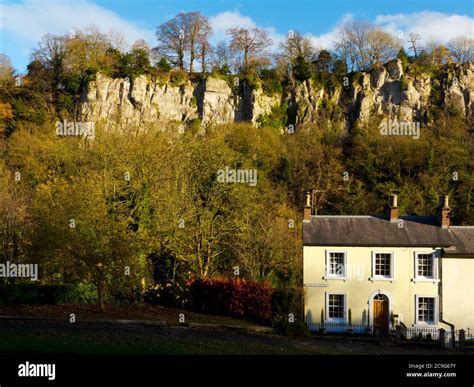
22 23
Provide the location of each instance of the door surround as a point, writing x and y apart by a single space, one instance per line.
370 304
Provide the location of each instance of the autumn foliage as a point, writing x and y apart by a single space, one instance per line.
232 297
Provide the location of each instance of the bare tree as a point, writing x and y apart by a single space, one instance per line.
204 45
364 45
185 36
206 51
51 52
382 46
117 40
345 50
250 44
171 40
436 53
222 57
140 44
6 68
197 32
462 48
355 33
413 38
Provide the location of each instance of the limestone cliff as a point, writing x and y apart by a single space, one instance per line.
143 101
387 91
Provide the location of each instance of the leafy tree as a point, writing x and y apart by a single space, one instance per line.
302 69
323 62
296 45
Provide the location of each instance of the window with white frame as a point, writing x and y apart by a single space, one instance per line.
426 310
336 264
425 266
382 265
336 307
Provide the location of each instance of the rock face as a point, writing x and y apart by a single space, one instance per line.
212 100
215 103
117 100
390 92
385 91
308 99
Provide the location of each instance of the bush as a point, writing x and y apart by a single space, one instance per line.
302 69
232 297
170 294
194 125
402 55
163 65
28 294
287 300
270 82
81 293
292 329
403 83
276 118
48 294
178 77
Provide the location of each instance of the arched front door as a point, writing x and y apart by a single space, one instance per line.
381 312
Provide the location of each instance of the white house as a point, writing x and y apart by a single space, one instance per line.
377 271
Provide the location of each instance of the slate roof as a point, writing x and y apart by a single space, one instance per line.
414 231
464 241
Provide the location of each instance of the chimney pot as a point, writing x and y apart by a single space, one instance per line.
446 201
393 200
307 208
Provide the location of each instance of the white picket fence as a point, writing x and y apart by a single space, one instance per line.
340 328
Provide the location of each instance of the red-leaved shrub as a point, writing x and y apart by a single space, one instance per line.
232 297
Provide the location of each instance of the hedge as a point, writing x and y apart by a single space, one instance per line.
231 297
47 294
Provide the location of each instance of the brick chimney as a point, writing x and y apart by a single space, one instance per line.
307 208
394 212
444 215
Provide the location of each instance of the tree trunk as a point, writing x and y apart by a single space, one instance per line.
191 59
101 295
203 61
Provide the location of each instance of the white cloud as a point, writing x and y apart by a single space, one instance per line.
223 21
324 40
437 25
29 20
327 39
430 25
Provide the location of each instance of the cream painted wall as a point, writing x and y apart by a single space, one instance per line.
401 291
458 292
